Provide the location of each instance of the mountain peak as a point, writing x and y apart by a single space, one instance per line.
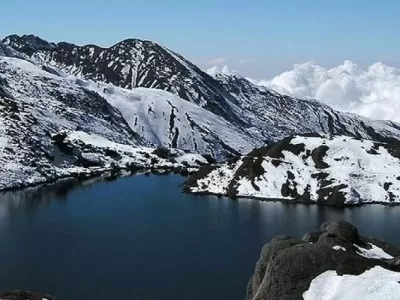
28 44
130 41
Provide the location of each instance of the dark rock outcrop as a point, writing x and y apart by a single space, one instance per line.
287 266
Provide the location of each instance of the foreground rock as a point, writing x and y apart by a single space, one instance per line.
332 263
309 169
22 295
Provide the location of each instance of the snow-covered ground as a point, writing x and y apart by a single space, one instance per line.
361 171
375 284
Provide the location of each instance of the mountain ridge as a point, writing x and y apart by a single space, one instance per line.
262 114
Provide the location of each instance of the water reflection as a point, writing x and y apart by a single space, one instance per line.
32 198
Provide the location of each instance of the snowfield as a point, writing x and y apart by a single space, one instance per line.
375 252
337 170
374 284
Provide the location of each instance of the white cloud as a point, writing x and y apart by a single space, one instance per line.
217 70
218 61
372 92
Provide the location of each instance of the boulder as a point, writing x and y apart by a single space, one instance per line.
287 266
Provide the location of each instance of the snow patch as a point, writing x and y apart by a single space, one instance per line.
375 252
337 248
377 283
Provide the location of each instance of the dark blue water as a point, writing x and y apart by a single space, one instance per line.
141 238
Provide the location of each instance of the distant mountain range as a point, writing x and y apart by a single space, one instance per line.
139 93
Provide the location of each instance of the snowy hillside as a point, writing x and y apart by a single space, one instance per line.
331 171
39 113
165 119
9 52
264 114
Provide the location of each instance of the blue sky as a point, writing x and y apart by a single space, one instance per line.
260 38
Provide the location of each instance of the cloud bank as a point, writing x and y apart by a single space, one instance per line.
373 92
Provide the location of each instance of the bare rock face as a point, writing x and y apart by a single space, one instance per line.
287 266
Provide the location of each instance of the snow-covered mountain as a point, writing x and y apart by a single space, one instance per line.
129 64
53 127
138 93
263 115
312 169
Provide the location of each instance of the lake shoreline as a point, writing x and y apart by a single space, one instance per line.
292 201
107 174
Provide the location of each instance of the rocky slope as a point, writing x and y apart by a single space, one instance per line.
263 115
312 169
332 263
52 127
